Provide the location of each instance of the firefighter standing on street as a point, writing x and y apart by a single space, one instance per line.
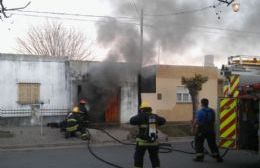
147 137
203 128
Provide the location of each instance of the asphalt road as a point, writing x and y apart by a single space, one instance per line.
79 157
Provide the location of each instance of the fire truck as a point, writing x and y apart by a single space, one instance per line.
239 104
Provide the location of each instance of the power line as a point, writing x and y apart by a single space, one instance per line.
23 13
76 14
182 11
137 24
226 29
74 19
135 7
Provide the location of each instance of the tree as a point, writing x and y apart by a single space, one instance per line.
194 85
3 9
53 39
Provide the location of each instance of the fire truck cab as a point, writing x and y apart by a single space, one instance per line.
239 106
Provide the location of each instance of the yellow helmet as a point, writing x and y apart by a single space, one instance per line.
75 110
144 104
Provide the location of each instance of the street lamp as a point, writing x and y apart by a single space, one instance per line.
235 6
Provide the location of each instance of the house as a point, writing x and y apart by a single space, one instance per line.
172 100
40 89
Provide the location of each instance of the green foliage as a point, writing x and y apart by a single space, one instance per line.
194 84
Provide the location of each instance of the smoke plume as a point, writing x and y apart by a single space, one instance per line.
186 30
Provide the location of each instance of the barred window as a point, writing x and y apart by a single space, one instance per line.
182 94
28 93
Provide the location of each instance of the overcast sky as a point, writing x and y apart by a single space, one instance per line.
175 32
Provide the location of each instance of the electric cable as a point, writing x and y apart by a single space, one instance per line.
181 12
76 14
135 7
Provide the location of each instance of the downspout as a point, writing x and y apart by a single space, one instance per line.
68 82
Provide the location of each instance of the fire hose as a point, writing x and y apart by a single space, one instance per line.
163 148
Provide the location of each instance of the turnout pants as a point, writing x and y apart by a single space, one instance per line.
153 154
199 143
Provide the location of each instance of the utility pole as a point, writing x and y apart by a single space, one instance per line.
141 35
141 57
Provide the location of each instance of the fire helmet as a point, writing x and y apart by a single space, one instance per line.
145 104
82 101
75 109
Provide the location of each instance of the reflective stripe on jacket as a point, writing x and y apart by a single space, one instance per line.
142 142
72 125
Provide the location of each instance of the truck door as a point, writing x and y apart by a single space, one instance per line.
248 129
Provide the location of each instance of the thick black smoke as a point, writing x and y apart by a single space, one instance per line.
188 30
184 30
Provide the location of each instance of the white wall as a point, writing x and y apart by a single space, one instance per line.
51 75
129 100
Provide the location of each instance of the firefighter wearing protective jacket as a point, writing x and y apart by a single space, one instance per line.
73 124
203 128
147 137
84 110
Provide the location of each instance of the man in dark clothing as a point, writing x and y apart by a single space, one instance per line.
203 128
147 137
84 108
84 112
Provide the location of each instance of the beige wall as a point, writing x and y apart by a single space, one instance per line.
167 80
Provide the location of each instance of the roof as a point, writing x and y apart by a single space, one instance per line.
177 71
24 57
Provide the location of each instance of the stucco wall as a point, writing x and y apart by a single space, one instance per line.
51 74
129 101
168 78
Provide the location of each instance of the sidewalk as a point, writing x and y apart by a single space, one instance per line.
29 137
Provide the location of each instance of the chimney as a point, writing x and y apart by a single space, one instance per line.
209 60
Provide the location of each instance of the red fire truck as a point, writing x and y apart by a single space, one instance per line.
239 106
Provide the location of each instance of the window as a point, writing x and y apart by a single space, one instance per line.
182 95
28 93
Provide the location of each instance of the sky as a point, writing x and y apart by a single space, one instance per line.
175 31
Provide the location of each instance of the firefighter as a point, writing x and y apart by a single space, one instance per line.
73 124
203 128
84 109
147 136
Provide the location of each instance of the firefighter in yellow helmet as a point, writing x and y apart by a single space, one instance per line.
73 124
147 138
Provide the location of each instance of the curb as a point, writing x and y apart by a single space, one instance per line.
82 144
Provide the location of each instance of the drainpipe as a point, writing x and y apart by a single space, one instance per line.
68 82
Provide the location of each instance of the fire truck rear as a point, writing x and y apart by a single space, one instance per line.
239 105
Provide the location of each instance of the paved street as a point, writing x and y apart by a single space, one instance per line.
79 157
